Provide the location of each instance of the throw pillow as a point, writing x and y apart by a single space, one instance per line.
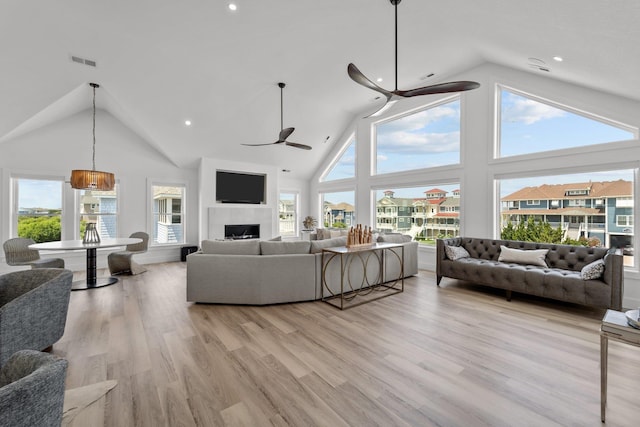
519 256
455 252
592 271
276 239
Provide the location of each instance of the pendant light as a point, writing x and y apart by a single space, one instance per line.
92 179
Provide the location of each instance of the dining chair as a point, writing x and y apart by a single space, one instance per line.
33 309
17 252
123 262
32 389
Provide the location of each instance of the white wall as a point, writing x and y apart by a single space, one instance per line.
478 170
56 149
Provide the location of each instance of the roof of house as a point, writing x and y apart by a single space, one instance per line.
619 188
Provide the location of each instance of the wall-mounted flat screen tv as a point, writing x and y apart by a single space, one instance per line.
240 187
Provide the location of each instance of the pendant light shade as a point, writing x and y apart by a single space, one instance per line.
82 179
92 180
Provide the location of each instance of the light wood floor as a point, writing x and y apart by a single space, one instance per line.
459 355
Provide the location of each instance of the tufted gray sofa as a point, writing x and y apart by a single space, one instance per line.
561 280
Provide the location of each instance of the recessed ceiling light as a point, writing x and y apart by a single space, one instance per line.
233 6
558 58
379 79
187 122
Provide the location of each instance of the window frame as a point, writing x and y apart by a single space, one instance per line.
424 107
635 131
151 226
297 219
78 215
14 207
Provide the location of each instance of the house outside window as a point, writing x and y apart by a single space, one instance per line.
338 209
425 213
288 214
574 221
37 209
100 208
168 213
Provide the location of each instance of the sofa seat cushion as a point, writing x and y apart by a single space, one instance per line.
556 283
282 248
231 247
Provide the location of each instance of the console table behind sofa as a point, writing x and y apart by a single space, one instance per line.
561 280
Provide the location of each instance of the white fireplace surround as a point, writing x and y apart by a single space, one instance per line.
223 215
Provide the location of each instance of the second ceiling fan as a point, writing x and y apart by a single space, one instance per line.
284 133
395 95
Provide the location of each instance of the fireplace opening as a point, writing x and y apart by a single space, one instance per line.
242 231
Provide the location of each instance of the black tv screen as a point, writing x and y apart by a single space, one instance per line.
237 187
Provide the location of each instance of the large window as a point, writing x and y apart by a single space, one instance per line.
338 209
592 216
345 166
530 125
37 209
428 138
426 213
168 213
100 208
288 214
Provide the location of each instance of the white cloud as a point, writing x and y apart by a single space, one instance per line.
420 119
528 111
411 143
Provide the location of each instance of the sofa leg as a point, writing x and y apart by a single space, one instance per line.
438 279
508 295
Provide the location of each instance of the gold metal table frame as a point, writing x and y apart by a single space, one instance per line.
361 256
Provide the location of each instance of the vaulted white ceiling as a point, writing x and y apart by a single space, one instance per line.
163 61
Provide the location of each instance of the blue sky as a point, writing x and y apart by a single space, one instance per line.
40 194
529 126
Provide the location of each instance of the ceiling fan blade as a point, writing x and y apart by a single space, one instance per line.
439 88
285 133
259 145
357 76
296 145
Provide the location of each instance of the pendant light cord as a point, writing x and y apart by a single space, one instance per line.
396 9
94 126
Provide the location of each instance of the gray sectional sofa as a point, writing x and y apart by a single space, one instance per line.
267 272
584 275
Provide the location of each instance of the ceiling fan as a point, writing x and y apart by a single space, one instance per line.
284 133
395 95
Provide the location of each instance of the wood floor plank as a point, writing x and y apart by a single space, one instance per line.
455 355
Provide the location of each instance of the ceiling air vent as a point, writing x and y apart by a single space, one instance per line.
79 60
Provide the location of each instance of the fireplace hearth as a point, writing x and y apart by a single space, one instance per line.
242 231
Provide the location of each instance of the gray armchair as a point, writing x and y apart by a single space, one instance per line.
32 389
33 309
122 262
17 252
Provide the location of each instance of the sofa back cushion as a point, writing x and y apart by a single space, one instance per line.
394 238
318 245
231 247
567 257
281 248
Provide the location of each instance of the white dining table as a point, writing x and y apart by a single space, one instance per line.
92 254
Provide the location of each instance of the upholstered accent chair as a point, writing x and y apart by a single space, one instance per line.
33 309
122 261
32 389
17 252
